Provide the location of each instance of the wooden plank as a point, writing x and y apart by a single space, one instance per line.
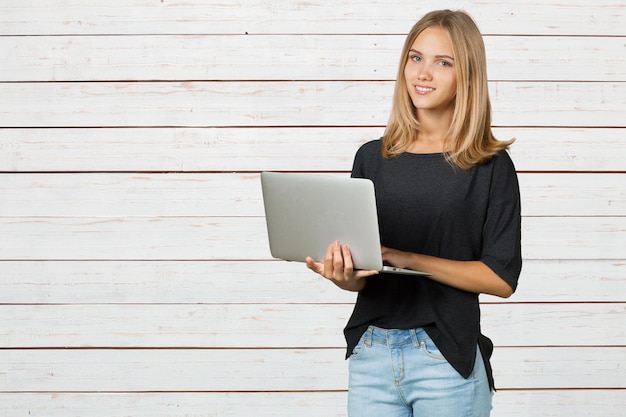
283 149
507 403
30 17
219 326
178 404
122 282
263 282
559 403
553 281
302 57
263 326
572 237
565 149
131 195
234 194
186 238
178 282
585 194
555 367
245 238
554 324
200 57
194 104
145 370
272 103
98 238
184 150
148 370
549 58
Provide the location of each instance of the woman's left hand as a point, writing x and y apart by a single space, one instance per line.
472 276
397 258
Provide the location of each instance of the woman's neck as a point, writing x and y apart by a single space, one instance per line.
432 134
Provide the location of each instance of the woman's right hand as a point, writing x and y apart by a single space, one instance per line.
339 268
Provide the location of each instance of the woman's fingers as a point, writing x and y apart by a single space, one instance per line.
348 265
334 265
329 260
338 267
314 266
338 262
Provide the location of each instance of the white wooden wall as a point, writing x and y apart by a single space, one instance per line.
135 277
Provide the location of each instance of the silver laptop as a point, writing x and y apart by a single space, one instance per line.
305 213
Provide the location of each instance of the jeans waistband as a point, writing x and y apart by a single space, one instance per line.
395 337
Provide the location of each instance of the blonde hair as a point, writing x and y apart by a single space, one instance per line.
469 140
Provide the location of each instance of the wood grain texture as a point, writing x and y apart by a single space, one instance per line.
263 326
283 149
507 403
266 282
299 57
577 17
234 194
134 269
245 238
147 370
273 103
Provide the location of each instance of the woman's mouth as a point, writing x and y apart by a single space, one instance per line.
423 90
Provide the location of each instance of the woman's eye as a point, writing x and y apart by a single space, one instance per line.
415 58
445 64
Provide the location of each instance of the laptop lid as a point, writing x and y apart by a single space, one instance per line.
305 213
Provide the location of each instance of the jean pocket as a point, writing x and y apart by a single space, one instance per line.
431 349
360 346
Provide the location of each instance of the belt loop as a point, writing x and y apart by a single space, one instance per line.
416 342
369 334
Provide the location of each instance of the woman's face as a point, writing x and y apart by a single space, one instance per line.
430 72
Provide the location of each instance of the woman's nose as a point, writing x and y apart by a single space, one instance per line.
424 73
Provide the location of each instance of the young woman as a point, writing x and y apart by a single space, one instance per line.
448 204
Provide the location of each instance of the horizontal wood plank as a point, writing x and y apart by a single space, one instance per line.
573 237
245 238
197 404
507 403
585 194
131 195
535 17
265 282
263 326
190 238
553 281
187 149
283 149
559 403
179 282
217 194
272 103
301 57
145 370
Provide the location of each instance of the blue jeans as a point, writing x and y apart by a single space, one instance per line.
401 373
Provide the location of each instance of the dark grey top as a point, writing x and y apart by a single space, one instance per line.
427 206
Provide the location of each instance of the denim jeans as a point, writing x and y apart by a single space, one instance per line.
401 373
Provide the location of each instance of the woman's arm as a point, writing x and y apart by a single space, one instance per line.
472 276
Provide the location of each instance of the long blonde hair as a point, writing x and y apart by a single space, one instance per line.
469 140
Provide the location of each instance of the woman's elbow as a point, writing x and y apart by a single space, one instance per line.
503 290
